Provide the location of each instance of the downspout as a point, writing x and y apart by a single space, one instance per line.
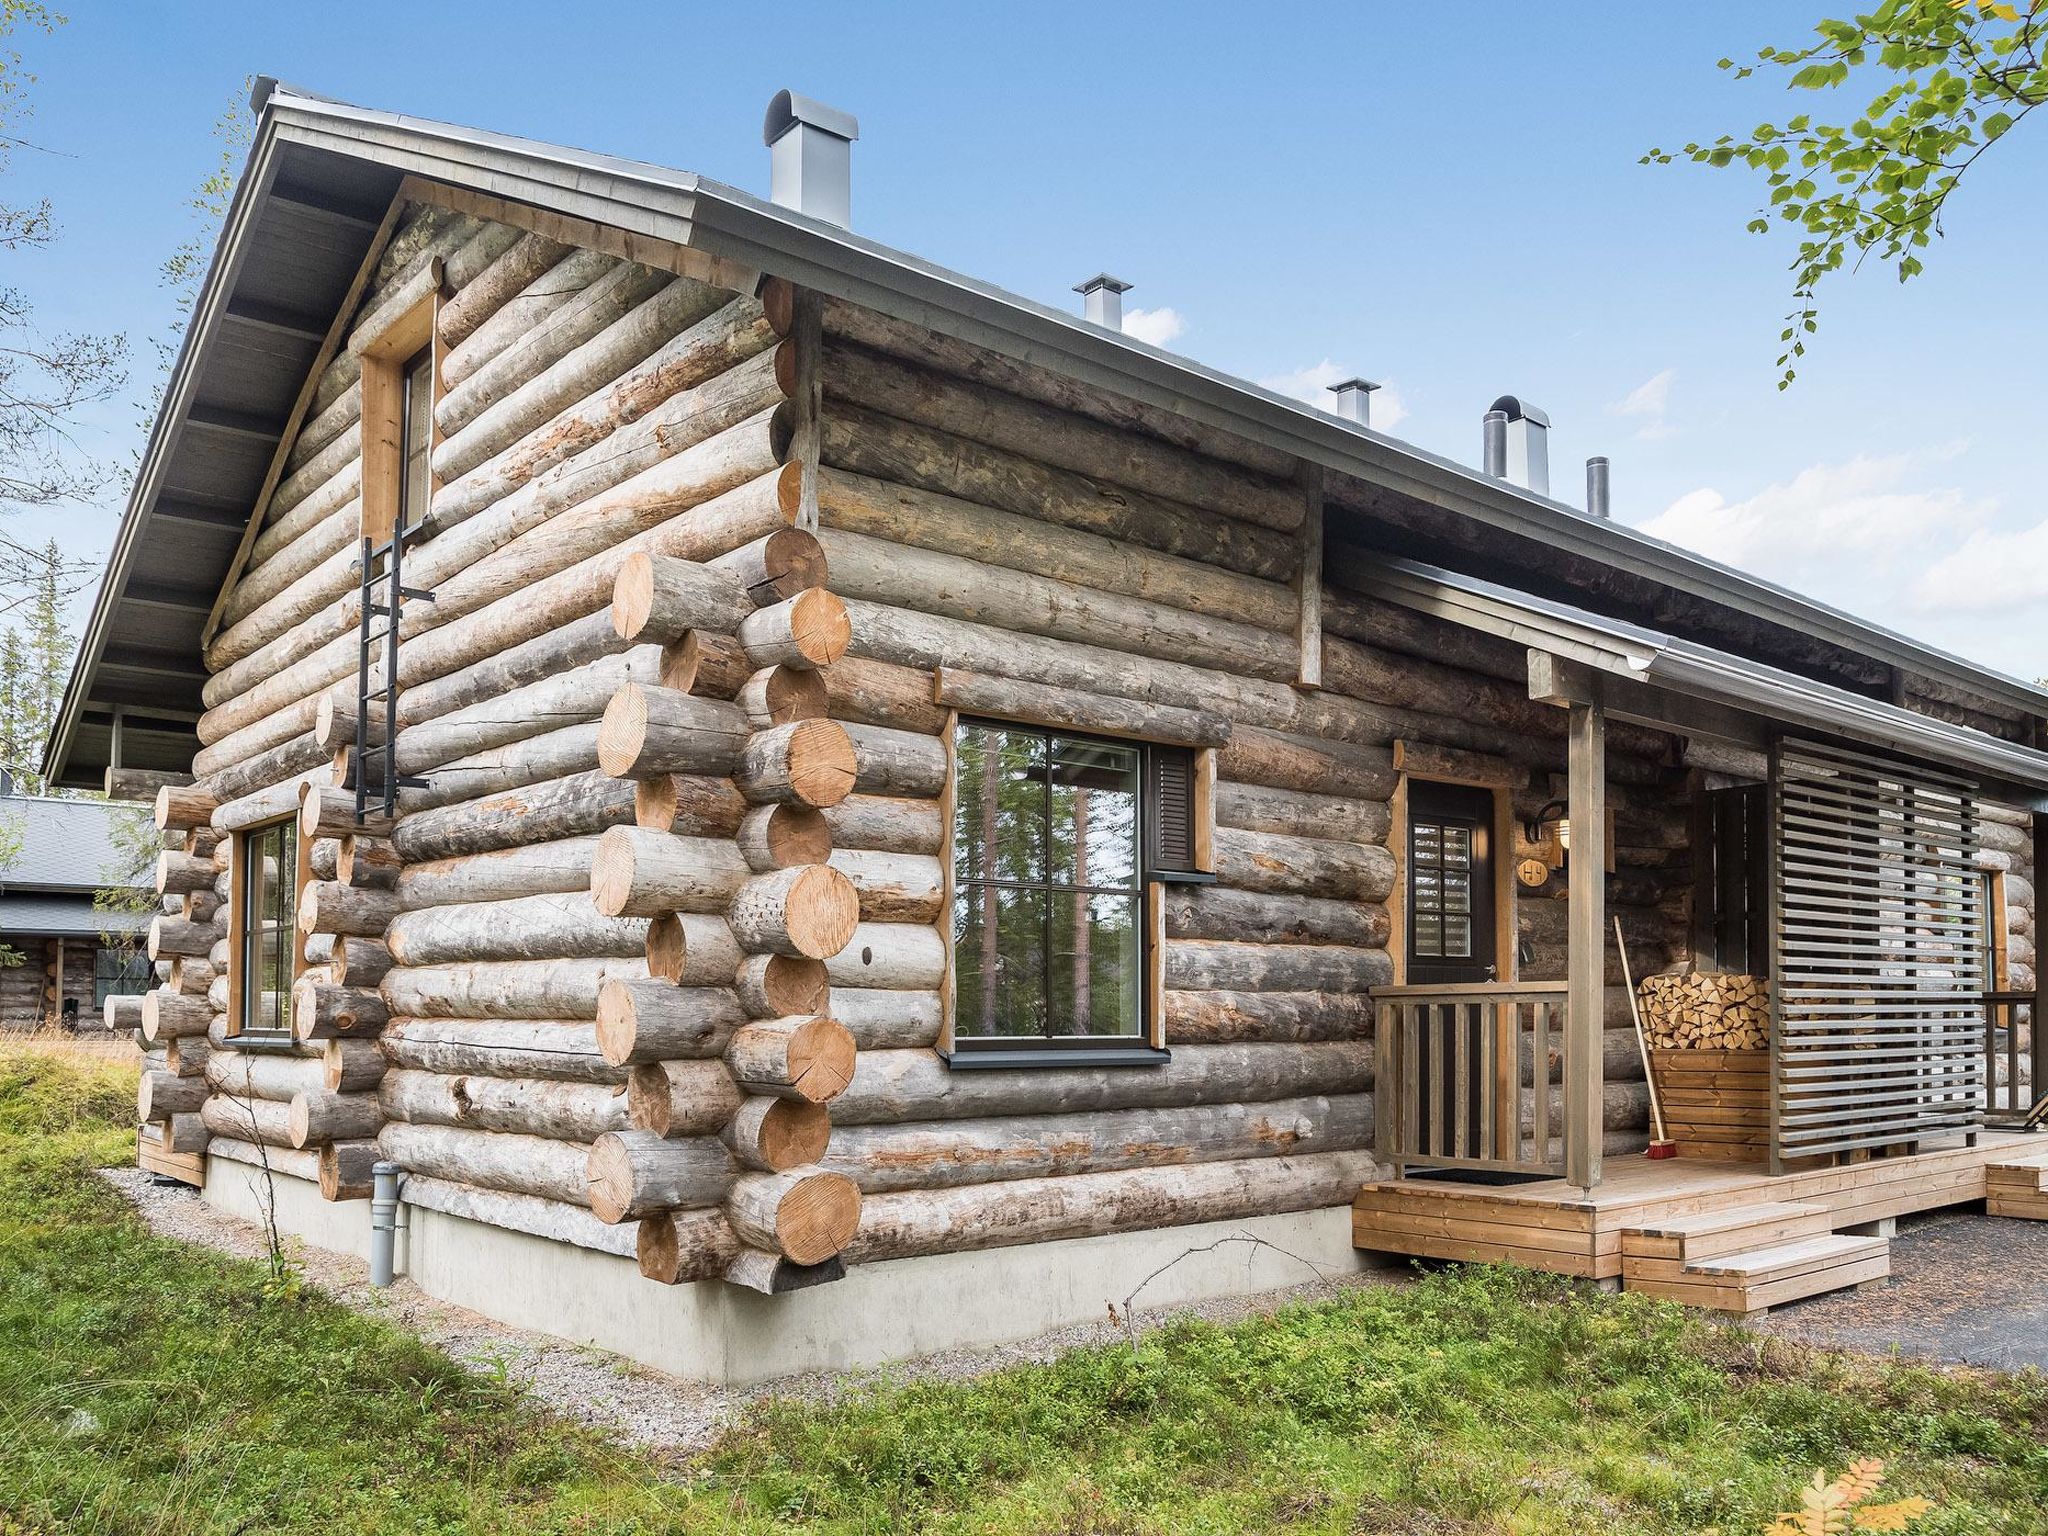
383 1224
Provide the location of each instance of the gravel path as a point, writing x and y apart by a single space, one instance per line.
1965 1288
604 1390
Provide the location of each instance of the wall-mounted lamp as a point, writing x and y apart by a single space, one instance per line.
1554 815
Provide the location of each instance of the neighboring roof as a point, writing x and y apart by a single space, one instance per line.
1640 655
66 845
319 179
32 916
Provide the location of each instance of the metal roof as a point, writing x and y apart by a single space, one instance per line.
1636 654
319 179
67 845
32 916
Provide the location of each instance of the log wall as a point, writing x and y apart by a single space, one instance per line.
654 961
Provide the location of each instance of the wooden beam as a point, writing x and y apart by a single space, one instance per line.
1586 951
648 250
1564 682
807 335
2038 1033
1308 579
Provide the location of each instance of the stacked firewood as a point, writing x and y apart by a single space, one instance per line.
1706 1011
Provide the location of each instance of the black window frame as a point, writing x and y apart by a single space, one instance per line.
1732 930
1135 1049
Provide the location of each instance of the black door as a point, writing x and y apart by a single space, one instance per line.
1450 884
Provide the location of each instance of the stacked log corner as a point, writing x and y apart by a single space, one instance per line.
172 1023
734 1051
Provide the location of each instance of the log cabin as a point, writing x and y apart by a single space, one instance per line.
804 809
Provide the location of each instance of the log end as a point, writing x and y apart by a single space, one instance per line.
616 1022
299 1120
822 912
609 1179
792 1133
633 595
611 871
816 1216
658 1249
819 626
822 763
622 732
821 1056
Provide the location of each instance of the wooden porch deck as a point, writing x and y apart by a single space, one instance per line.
1718 1234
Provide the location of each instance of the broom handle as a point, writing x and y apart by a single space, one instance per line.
1642 1040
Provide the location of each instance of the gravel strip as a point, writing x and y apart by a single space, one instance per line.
618 1396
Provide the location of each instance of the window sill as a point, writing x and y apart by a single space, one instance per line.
1181 876
1042 1056
272 1041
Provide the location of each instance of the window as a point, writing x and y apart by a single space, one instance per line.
1734 931
1057 838
265 928
416 415
1451 937
120 970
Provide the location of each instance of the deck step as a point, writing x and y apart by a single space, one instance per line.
2018 1188
1732 1229
1756 1278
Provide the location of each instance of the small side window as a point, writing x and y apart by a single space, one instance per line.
264 931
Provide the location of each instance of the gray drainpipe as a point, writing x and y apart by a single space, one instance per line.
383 1223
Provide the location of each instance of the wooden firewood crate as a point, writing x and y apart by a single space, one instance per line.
1717 1104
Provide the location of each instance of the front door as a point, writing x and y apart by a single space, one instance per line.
1450 884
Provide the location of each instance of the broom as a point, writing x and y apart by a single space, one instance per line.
1661 1146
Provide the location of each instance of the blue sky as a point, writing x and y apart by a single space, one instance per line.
1446 199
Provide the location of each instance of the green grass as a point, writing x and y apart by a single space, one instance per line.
150 1387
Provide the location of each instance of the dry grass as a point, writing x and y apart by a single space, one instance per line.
52 1039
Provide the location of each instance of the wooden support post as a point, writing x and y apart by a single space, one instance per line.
2037 1035
1308 579
1585 964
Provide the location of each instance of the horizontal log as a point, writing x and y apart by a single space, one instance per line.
882 1020
810 1059
1303 866
897 957
650 1020
553 927
867 692
525 1165
886 824
252 1075
262 1123
560 1050
807 762
783 836
777 986
692 949
893 762
805 1214
160 1095
521 1105
182 807
810 911
509 989
774 1135
808 630
325 1012
328 906
683 1098
559 866
348 1169
636 873
951 1154
657 599
169 1015
678 1247
891 1087
893 887
635 1173
691 806
1217 965
648 731
1223 1017
536 1215
914 1223
581 805
1294 813
1070 709
351 1066
1218 912
321 1117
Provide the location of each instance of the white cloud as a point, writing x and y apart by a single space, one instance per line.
1993 569
1648 402
1866 512
1313 385
1156 326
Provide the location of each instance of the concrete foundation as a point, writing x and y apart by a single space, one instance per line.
879 1313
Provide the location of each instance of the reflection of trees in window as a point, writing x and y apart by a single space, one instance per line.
269 874
1046 916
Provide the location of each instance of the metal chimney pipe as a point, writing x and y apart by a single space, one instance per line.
810 157
1102 300
1528 458
1354 400
1599 501
1493 444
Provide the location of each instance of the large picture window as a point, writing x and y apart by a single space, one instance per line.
265 927
1056 840
120 970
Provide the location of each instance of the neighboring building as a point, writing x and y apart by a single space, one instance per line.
875 815
73 957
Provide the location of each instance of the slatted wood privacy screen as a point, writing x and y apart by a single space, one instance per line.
1878 944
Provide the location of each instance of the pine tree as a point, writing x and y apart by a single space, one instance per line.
15 712
49 645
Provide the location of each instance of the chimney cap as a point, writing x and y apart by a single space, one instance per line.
1344 386
1102 280
788 109
1522 410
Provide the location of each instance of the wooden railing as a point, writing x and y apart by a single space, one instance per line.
2009 1084
1462 1076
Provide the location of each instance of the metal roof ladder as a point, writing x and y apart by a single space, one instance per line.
384 595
